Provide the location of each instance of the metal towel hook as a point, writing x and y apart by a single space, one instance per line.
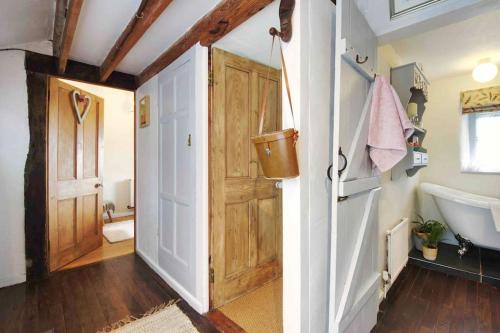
359 61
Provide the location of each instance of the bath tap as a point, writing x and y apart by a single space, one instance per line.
463 245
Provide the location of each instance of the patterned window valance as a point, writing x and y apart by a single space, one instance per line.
481 100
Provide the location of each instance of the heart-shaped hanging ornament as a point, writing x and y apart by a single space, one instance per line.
76 97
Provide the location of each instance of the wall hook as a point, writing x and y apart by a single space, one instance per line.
285 13
359 61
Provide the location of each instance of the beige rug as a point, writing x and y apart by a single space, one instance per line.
118 231
166 318
259 311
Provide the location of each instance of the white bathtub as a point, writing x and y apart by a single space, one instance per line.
466 214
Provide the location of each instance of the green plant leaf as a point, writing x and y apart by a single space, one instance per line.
436 232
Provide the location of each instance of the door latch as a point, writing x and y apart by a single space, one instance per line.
189 140
212 276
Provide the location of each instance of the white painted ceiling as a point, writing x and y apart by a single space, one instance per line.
25 21
179 16
454 49
428 18
102 21
252 39
431 36
100 25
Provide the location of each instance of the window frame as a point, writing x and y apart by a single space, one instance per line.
467 131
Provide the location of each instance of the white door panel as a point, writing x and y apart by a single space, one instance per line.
353 269
360 269
354 120
177 230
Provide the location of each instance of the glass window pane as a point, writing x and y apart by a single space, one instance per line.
480 142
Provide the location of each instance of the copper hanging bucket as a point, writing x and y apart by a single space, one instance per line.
277 153
277 150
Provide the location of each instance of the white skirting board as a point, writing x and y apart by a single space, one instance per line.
397 252
12 280
195 303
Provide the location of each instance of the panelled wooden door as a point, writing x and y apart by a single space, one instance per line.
177 194
75 163
246 224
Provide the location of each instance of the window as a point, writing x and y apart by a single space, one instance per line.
480 142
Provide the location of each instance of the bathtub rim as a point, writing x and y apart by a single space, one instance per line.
461 197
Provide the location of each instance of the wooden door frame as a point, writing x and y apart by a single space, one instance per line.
210 178
36 168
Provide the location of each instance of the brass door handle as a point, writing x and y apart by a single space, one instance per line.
98 185
189 140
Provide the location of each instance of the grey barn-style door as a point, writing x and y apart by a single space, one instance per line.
354 277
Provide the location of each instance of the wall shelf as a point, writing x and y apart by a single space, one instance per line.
411 85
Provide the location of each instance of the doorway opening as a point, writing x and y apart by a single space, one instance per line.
90 180
246 208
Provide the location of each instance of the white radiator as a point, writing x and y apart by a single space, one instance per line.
132 193
397 252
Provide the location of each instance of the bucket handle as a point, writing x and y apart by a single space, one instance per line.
274 32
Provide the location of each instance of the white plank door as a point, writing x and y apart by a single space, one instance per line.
177 227
353 270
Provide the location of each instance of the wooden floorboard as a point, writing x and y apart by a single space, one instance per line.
223 323
422 301
88 298
106 251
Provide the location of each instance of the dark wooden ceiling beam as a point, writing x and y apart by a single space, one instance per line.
146 15
78 71
72 15
59 19
226 16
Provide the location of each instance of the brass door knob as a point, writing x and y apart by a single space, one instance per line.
97 185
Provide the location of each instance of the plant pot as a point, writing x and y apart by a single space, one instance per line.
430 253
418 238
421 235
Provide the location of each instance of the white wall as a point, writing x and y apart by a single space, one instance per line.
398 198
306 199
14 142
442 119
118 143
147 175
252 40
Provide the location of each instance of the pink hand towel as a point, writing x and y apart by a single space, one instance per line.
389 127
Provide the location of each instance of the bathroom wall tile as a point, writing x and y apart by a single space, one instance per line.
490 263
478 264
492 281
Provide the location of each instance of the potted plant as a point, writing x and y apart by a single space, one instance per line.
430 245
422 230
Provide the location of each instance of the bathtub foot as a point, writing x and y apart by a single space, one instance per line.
463 245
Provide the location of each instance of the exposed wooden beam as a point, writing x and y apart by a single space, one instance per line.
226 16
148 12
48 65
72 16
59 19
